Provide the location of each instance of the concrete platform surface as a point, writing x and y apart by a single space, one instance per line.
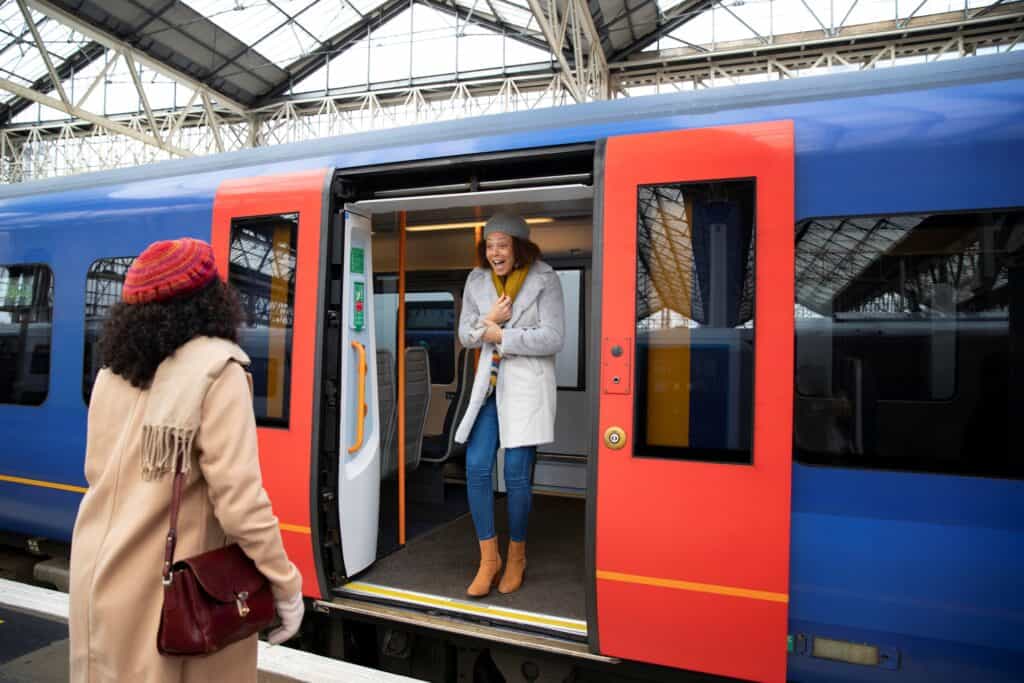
34 645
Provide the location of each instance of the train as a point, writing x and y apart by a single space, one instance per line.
785 445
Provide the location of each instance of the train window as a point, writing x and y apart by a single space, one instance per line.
429 322
103 284
262 270
26 324
910 342
569 361
695 321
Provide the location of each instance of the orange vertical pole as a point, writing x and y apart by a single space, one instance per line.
401 377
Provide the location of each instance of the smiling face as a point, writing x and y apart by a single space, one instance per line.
500 253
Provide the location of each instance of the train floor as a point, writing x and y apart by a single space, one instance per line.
443 561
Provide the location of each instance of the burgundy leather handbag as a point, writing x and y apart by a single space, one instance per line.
210 600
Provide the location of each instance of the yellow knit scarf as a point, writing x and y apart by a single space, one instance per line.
505 286
510 284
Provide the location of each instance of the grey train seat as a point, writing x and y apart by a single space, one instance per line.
417 403
386 402
441 447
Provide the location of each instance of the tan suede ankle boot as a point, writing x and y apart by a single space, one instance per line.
490 567
513 577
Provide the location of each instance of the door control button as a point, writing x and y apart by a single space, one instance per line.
614 438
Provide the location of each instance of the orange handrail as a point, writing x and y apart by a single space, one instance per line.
363 410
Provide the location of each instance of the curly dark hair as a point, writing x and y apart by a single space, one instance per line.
138 337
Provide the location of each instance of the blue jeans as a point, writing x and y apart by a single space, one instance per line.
481 452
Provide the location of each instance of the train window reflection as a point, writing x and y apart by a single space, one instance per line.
26 325
695 321
910 342
262 269
103 284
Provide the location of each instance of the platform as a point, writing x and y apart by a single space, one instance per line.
34 645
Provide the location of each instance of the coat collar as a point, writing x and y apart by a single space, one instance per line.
532 287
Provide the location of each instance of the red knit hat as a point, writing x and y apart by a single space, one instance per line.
168 269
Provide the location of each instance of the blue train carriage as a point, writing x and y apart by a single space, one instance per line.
786 445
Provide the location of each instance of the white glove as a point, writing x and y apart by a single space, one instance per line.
290 611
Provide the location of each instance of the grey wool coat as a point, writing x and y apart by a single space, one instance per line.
526 388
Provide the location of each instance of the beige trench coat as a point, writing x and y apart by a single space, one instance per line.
118 543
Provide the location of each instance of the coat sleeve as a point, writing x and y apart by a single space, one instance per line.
547 337
471 325
230 464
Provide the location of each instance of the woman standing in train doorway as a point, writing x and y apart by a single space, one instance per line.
173 388
512 308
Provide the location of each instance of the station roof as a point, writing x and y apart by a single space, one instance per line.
256 52
253 51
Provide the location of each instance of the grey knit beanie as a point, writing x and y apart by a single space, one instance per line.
508 223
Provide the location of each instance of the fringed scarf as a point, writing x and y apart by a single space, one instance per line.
175 406
509 286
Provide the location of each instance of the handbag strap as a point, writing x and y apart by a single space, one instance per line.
172 533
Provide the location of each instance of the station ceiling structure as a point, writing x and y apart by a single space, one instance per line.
91 84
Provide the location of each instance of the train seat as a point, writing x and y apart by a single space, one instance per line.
440 447
386 394
417 403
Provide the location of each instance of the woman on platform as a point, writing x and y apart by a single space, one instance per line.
173 384
512 308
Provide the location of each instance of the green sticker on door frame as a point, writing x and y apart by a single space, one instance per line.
358 305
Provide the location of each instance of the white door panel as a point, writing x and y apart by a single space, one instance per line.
359 469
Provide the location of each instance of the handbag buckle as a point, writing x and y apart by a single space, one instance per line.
243 609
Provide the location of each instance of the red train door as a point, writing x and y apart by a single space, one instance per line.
695 419
266 236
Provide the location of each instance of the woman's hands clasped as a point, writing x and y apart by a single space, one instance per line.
290 611
500 312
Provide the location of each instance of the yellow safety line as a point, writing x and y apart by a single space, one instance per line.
43 484
81 489
576 626
693 586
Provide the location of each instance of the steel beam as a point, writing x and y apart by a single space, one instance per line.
672 19
573 25
41 47
110 42
864 45
492 21
334 46
95 119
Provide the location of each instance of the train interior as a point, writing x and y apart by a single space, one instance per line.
440 554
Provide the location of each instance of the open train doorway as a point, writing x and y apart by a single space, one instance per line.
425 220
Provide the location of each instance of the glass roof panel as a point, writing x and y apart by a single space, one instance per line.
723 22
247 20
284 31
434 37
511 12
20 61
